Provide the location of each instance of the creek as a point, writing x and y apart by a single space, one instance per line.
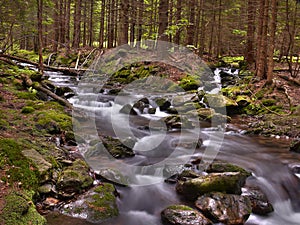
273 166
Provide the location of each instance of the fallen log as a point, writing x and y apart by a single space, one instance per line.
65 70
28 82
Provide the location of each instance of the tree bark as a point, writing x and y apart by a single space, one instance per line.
40 34
250 54
163 20
77 24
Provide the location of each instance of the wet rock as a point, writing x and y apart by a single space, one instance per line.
295 146
112 175
188 174
221 167
74 179
95 206
127 109
229 182
163 103
61 91
259 202
45 189
203 113
183 215
116 148
152 110
178 122
225 208
140 105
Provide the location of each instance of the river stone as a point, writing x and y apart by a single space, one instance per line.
163 103
221 167
225 208
74 179
127 109
116 148
295 146
113 176
177 122
96 206
229 182
183 215
259 202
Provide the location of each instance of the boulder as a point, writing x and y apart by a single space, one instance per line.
163 103
116 148
259 202
225 208
295 146
221 167
112 175
74 179
183 215
229 182
177 122
127 109
96 206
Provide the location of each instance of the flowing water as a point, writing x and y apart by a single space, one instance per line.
274 168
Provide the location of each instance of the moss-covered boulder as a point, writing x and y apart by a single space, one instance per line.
221 167
40 162
74 178
19 210
113 176
225 208
116 148
229 182
95 206
162 103
183 215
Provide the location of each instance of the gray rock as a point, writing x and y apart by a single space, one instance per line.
229 182
225 208
183 215
259 202
113 176
127 109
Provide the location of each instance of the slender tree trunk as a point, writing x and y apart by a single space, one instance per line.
124 14
212 31
67 24
102 24
140 20
191 26
271 41
40 33
85 19
110 25
250 53
56 26
219 42
178 20
77 24
91 24
133 20
202 29
163 20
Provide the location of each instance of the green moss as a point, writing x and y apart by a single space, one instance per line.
179 207
27 109
20 210
189 82
103 202
26 95
21 170
268 102
54 121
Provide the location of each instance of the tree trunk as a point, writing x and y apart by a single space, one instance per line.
77 24
124 13
91 24
40 34
102 24
271 41
178 20
250 33
163 20
56 26
191 26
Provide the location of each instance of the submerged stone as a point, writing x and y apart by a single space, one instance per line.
225 208
183 215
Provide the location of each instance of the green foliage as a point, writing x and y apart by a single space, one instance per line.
26 95
21 169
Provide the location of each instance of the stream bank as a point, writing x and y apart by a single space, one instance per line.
136 210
